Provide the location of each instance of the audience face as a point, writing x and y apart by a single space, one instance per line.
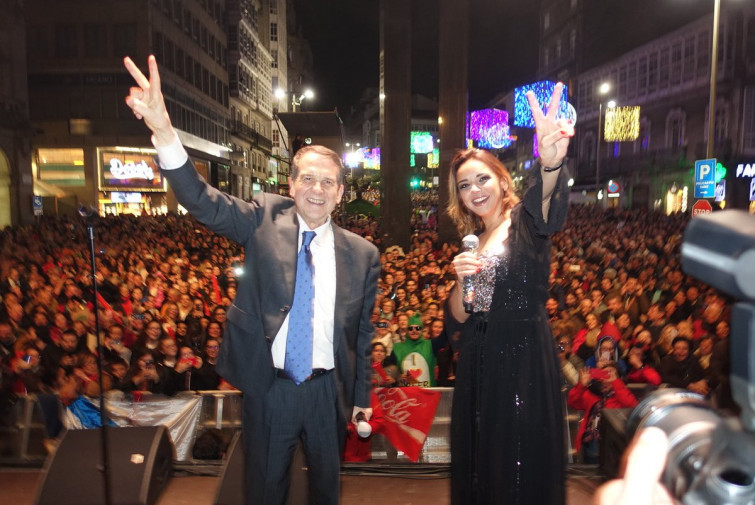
214 330
168 347
415 332
6 334
69 342
153 330
722 330
212 349
436 328
680 350
378 353
591 321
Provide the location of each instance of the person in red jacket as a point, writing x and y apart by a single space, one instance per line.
596 390
639 371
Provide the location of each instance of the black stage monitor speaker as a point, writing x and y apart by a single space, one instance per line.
231 489
140 464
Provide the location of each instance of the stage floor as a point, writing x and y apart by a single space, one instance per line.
19 486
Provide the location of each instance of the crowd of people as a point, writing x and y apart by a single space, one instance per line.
620 307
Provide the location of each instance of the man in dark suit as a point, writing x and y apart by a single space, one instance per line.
279 408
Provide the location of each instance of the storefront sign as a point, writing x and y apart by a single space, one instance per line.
746 170
129 169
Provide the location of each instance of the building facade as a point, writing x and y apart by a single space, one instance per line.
88 145
655 56
251 97
16 182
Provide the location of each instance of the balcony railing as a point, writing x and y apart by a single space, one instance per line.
248 133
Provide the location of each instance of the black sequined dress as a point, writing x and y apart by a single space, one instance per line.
507 441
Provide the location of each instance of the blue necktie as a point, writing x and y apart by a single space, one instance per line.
298 365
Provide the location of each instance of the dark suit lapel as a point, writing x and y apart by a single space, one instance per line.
288 241
344 265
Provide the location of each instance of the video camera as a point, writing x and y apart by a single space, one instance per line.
711 459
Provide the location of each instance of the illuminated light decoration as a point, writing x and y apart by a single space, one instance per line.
720 172
421 142
354 158
535 150
412 162
490 128
622 124
433 159
371 158
543 91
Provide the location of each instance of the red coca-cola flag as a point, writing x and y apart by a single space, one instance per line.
407 415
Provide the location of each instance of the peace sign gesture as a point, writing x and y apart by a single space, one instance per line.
147 102
552 135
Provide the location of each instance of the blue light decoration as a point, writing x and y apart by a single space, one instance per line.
490 128
543 91
421 142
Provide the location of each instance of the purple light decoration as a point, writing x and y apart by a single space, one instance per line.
535 150
543 91
490 128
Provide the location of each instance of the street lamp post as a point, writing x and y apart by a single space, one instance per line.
602 90
295 100
713 71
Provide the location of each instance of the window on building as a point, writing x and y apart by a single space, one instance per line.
558 48
675 130
546 20
124 39
95 40
676 63
721 123
66 41
642 144
273 58
572 41
574 4
273 7
273 32
689 58
62 167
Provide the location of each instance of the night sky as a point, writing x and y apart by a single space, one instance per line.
344 36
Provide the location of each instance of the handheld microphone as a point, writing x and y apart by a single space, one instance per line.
364 429
469 243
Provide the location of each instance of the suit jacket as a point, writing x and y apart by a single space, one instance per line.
268 229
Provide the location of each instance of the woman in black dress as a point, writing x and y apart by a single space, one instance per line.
507 443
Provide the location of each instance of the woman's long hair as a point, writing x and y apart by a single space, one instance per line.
466 221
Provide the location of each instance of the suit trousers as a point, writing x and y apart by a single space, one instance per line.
273 427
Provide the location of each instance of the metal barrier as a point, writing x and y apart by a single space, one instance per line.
23 432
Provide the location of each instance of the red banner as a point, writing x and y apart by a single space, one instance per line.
407 415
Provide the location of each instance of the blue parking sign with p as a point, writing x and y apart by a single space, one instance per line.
705 178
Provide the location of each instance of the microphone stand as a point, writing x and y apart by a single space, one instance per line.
90 214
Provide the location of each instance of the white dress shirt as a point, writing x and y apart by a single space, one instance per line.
324 260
